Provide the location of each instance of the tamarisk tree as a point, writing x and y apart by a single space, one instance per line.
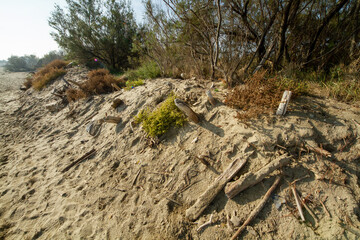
101 29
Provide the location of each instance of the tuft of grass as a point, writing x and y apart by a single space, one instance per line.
158 122
99 81
145 71
47 74
345 90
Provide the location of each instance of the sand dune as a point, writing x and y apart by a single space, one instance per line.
129 190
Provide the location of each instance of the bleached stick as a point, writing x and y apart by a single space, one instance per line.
258 208
297 200
250 179
205 224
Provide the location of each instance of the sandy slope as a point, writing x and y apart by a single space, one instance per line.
129 190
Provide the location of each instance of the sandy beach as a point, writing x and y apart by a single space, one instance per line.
128 189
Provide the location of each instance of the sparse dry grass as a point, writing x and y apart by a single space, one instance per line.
47 74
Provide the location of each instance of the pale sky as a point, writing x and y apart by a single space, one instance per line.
24 28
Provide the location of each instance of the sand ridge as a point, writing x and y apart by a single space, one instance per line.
130 190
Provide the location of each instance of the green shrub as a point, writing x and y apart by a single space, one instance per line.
132 84
145 71
159 121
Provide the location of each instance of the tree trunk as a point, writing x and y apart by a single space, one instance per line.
325 22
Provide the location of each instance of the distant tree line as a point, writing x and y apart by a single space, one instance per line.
28 63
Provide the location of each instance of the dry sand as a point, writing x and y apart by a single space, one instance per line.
129 190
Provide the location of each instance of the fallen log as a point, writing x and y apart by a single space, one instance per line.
206 198
250 179
258 208
87 155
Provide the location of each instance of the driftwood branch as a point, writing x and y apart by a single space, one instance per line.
250 179
206 198
86 156
112 119
258 208
186 110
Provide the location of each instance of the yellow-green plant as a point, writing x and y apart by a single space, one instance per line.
134 83
158 122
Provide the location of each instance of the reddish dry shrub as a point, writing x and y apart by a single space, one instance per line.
99 81
28 82
48 73
57 64
73 94
258 95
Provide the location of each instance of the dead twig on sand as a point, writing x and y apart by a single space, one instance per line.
322 203
136 177
297 200
258 208
205 224
172 200
86 156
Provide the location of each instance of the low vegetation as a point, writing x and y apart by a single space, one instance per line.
47 74
158 122
133 84
145 71
260 94
99 81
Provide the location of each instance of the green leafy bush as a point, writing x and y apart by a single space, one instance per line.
132 84
145 71
159 121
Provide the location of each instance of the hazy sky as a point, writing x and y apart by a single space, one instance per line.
24 28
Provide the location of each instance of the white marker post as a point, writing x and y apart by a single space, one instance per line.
284 103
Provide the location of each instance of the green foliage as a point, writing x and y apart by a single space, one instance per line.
21 64
134 83
95 29
145 71
345 90
297 87
159 121
49 57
